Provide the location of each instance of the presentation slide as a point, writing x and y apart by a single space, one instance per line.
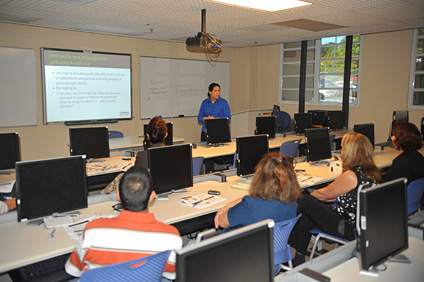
81 86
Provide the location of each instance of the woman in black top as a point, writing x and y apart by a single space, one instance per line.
410 163
358 168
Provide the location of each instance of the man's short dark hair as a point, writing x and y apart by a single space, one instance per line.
135 188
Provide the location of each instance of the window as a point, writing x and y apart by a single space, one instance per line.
324 71
417 70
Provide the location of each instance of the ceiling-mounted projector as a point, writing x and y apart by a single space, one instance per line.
203 40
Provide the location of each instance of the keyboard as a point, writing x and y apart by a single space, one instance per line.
43 267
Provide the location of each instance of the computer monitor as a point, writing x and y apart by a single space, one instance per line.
171 167
319 118
250 150
266 125
383 225
366 129
400 117
335 119
91 141
50 186
169 137
276 108
244 254
9 150
318 144
302 121
218 130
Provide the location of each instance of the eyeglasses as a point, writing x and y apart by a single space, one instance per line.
117 207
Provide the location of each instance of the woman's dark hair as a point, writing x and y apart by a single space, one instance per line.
211 87
135 188
407 136
157 130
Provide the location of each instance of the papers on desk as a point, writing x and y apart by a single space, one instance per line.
75 230
99 167
305 179
201 201
243 185
60 221
6 187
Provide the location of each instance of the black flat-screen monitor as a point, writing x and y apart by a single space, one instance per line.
366 129
250 150
218 130
318 144
46 187
171 167
244 254
319 118
266 125
400 117
9 150
383 224
169 137
335 119
91 141
302 121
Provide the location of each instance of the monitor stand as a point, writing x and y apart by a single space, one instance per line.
374 272
217 144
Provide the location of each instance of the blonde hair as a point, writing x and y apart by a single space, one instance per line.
275 179
358 151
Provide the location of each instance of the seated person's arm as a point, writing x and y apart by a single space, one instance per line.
7 205
221 217
343 184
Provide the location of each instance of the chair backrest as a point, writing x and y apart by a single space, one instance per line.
197 165
283 120
115 134
415 191
150 270
282 232
289 148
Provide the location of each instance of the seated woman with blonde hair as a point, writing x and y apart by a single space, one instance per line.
358 168
272 195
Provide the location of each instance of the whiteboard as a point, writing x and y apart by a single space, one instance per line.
18 91
175 87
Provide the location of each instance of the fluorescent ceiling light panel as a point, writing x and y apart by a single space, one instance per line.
267 5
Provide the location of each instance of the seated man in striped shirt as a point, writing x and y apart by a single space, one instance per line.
133 234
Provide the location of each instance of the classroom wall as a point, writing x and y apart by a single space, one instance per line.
254 83
384 81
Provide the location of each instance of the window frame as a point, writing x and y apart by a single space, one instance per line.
316 75
413 71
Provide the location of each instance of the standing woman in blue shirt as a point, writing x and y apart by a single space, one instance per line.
213 107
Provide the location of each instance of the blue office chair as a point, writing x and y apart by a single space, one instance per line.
282 253
415 190
150 270
115 134
234 161
322 235
289 148
197 165
283 120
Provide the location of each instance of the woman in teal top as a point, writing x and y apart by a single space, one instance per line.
272 195
213 107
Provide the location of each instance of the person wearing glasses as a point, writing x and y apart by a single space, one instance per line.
272 195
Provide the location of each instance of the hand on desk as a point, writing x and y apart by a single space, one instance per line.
221 217
11 203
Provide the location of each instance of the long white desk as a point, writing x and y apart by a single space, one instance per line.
129 143
229 148
23 244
